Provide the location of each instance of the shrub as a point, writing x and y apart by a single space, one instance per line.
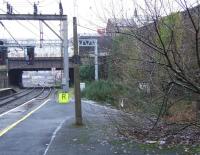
101 90
86 73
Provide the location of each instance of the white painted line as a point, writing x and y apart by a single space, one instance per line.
54 135
10 127
16 107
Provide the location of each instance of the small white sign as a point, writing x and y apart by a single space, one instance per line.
3 67
82 86
64 81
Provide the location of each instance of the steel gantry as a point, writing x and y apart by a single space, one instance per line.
91 43
63 37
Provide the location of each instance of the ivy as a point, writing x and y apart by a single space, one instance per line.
170 27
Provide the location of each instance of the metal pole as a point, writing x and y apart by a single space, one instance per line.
7 70
61 50
65 57
78 110
96 62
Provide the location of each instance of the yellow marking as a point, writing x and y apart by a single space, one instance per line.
63 98
2 132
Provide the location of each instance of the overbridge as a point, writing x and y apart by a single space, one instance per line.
16 66
40 63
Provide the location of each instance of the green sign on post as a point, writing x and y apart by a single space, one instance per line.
63 98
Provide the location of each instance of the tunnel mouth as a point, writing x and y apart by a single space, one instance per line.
15 77
38 78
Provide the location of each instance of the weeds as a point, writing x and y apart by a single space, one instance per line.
104 91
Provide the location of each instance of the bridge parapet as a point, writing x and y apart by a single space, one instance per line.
40 63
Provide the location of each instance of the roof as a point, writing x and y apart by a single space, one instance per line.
122 22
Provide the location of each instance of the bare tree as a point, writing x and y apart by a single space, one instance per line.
167 55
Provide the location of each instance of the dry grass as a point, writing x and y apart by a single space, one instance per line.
183 111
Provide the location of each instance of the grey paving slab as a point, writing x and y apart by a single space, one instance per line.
32 136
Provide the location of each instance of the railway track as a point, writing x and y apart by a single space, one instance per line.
15 94
17 99
12 98
45 95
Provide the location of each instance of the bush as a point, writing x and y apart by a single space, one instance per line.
101 90
86 73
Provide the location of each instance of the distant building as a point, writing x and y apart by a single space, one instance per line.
115 26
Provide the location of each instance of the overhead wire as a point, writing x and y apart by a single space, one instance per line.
29 2
23 25
86 28
2 10
37 35
10 34
48 4
90 22
26 26
32 23
1 23
33 26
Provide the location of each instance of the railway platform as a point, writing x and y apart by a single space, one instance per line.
44 127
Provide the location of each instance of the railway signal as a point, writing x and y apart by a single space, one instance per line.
30 55
3 54
2 58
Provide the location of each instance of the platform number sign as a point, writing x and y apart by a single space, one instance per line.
63 98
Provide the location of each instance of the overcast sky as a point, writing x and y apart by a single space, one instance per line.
92 14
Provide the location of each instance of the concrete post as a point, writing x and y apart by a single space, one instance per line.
65 57
96 62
